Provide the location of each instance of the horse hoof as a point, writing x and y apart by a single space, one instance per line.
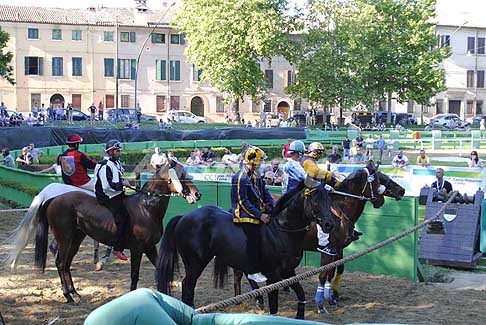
99 266
322 310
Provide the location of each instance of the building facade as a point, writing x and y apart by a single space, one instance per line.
69 56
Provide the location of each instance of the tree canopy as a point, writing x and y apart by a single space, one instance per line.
6 70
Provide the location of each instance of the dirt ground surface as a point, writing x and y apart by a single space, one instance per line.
29 297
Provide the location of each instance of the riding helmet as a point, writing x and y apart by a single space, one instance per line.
75 138
297 146
315 150
254 156
113 144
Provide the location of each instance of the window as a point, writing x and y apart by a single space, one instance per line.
410 107
469 107
479 107
175 70
255 106
33 33
109 67
382 105
57 65
128 37
439 106
57 34
175 102
77 35
196 73
125 100
33 65
470 79
267 105
127 68
444 40
177 39
160 70
298 104
236 105
110 101
219 105
160 104
480 79
290 78
269 77
108 36
470 45
480 45
158 38
76 101
77 67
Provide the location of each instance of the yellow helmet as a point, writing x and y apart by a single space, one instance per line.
315 150
254 156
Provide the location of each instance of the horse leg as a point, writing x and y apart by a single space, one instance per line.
272 296
96 256
61 258
323 285
300 293
238 275
151 254
135 259
194 267
73 250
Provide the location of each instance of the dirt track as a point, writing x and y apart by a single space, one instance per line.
28 297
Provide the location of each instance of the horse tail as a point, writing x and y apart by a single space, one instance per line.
168 257
41 239
220 273
24 231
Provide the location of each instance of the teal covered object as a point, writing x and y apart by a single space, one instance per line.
148 307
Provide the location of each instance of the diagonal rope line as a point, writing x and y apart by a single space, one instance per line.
297 278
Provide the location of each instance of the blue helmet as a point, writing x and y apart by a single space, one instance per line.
297 146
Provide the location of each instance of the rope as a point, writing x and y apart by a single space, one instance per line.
287 282
13 210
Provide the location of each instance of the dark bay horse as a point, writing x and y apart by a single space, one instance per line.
209 231
348 209
74 215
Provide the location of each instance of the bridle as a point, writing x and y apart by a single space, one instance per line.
307 192
369 182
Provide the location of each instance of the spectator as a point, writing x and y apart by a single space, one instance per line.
268 178
36 153
422 159
274 167
208 157
138 111
3 108
101 110
369 147
35 110
285 150
92 110
70 113
26 158
390 145
229 158
380 143
241 156
482 124
474 161
30 120
359 157
193 160
42 110
441 185
346 147
334 157
359 141
56 167
165 125
7 158
307 117
263 119
59 113
400 160
171 156
50 112
158 159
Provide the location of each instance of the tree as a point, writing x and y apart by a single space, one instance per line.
228 39
405 55
6 70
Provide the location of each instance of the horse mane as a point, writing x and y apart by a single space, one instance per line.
282 201
349 182
150 184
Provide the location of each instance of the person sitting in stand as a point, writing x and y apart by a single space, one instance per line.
251 204
268 178
193 160
277 172
110 192
442 186
208 157
422 159
158 159
400 160
358 157
309 163
474 161
293 171
334 157
26 158
229 159
55 168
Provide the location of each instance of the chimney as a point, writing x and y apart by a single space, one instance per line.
140 14
91 15
141 5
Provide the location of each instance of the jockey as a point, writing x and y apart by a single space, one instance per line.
293 171
251 203
109 191
74 164
309 163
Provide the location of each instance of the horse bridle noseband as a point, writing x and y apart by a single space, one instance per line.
307 192
369 181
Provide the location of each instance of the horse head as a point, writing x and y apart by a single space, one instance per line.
296 209
178 182
372 188
391 188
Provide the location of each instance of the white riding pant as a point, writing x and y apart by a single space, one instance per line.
322 237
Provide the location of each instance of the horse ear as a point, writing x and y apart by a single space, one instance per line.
310 182
173 163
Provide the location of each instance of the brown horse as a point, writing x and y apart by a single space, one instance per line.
74 215
348 209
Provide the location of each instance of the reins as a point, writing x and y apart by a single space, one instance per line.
151 193
369 180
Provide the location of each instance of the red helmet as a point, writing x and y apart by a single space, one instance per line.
75 138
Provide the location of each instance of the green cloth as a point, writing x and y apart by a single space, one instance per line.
148 307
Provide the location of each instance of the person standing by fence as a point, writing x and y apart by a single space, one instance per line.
100 111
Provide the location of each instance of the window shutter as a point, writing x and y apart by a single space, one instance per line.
177 70
153 37
41 66
26 65
183 39
133 70
118 69
133 37
158 72
163 69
